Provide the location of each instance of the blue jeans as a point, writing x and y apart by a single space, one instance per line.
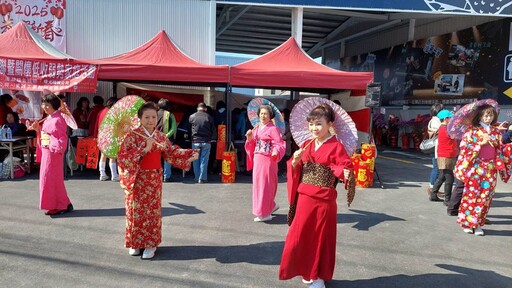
201 164
167 170
435 171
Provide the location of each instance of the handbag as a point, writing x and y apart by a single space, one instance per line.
428 146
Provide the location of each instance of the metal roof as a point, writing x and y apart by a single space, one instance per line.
253 29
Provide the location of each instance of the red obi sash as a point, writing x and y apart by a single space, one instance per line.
151 161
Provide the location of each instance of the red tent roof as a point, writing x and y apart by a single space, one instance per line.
159 60
20 42
288 66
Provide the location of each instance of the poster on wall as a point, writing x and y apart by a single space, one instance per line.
454 68
45 17
449 84
26 103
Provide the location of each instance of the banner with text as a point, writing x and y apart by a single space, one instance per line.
45 17
56 75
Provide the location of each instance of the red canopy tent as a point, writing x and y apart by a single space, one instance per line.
289 67
28 62
160 61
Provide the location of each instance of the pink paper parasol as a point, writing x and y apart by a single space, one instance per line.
461 120
252 113
344 127
66 114
119 120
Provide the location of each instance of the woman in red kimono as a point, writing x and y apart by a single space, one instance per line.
481 156
313 172
52 143
141 178
265 148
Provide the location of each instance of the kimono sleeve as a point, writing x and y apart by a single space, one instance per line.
59 138
469 149
177 156
340 161
293 176
278 144
250 145
128 160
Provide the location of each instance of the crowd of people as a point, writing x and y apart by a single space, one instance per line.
313 170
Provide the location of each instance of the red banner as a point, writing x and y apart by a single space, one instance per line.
56 75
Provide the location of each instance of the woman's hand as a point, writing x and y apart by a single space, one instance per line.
34 126
248 135
297 155
149 145
503 125
194 157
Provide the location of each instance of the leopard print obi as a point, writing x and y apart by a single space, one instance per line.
318 175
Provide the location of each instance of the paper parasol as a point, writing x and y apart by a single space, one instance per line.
344 126
252 113
119 120
66 114
461 120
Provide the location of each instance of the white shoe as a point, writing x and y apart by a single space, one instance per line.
263 219
103 177
115 179
468 230
319 283
133 252
148 253
479 231
308 282
275 209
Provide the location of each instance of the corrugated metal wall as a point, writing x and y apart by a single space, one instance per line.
424 28
104 28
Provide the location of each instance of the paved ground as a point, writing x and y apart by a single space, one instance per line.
390 237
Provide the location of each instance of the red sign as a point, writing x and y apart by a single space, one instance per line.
56 75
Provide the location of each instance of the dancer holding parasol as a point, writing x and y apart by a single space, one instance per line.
141 178
265 148
482 155
313 173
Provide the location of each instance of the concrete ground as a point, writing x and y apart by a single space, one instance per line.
392 237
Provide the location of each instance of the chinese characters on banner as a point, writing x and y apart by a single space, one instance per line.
53 75
45 17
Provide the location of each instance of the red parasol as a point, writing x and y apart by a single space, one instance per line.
252 113
119 120
344 128
461 121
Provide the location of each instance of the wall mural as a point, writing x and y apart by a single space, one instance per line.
454 68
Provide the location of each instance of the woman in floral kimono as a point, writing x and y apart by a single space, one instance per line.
482 154
313 172
52 144
265 148
141 178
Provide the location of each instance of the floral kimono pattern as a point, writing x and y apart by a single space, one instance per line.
143 187
480 175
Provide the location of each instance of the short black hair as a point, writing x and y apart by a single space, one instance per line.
5 98
98 100
110 102
322 110
53 100
435 109
80 101
164 104
147 106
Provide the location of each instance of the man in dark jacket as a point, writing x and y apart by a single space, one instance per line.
202 128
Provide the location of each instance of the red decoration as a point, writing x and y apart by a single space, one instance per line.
228 167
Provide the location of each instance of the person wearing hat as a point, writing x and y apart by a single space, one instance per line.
202 127
447 152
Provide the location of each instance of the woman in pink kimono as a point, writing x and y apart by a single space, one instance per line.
265 148
52 143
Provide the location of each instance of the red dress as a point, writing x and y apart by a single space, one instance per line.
310 246
141 178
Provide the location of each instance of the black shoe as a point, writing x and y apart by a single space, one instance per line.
70 208
452 213
433 197
202 181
